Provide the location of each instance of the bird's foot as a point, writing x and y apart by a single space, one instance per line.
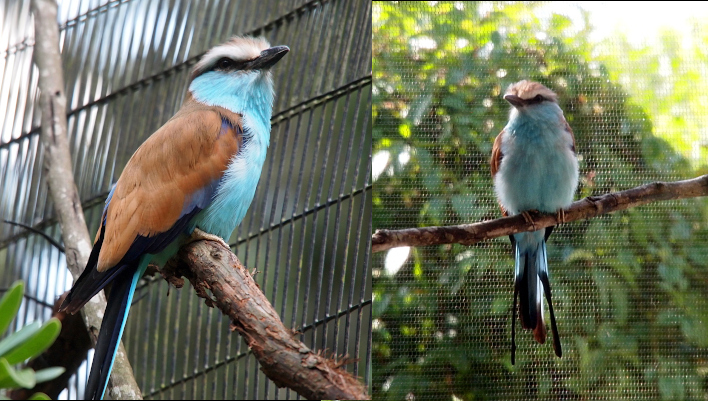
198 235
528 218
560 216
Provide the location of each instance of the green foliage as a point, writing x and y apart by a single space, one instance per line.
29 342
673 76
628 287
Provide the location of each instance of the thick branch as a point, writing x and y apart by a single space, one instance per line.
285 360
60 178
592 206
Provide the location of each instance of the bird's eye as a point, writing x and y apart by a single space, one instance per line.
225 63
538 98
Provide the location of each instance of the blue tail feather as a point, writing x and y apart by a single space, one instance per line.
531 271
112 327
527 267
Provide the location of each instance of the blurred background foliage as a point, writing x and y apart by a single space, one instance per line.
629 288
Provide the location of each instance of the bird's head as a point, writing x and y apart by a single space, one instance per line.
240 56
236 75
524 95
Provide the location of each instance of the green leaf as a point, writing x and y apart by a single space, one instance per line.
39 396
404 130
381 304
10 304
11 378
17 338
462 205
36 344
48 374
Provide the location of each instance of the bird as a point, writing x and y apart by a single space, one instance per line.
194 178
534 168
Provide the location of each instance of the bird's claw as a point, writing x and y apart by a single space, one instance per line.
528 218
198 235
560 216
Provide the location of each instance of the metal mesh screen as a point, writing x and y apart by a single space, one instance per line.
629 288
126 67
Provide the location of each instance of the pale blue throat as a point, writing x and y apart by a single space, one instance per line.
249 94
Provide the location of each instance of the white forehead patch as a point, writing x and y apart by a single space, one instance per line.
238 48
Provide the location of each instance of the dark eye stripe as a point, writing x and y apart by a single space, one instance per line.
227 64
536 99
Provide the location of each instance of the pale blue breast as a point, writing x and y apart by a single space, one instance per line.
539 170
251 95
235 193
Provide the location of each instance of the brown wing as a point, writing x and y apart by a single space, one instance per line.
189 152
496 154
496 161
570 131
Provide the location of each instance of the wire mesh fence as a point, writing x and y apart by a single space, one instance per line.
126 64
628 288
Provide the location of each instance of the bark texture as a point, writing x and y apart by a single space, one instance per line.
284 359
592 206
60 178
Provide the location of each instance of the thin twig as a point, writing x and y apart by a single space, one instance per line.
34 230
592 206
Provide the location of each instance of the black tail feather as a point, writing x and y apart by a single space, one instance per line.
532 271
109 336
528 291
547 290
78 298
513 329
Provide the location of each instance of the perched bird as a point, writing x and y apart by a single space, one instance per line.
534 167
196 175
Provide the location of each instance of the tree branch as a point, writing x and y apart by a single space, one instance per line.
592 206
285 360
60 177
38 232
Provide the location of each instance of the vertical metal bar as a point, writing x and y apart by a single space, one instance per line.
329 36
227 365
217 352
246 361
298 65
335 233
149 338
318 199
291 240
207 351
163 337
237 365
304 227
347 229
187 332
343 47
197 346
218 24
355 262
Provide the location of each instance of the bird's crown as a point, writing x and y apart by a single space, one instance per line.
237 51
528 90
